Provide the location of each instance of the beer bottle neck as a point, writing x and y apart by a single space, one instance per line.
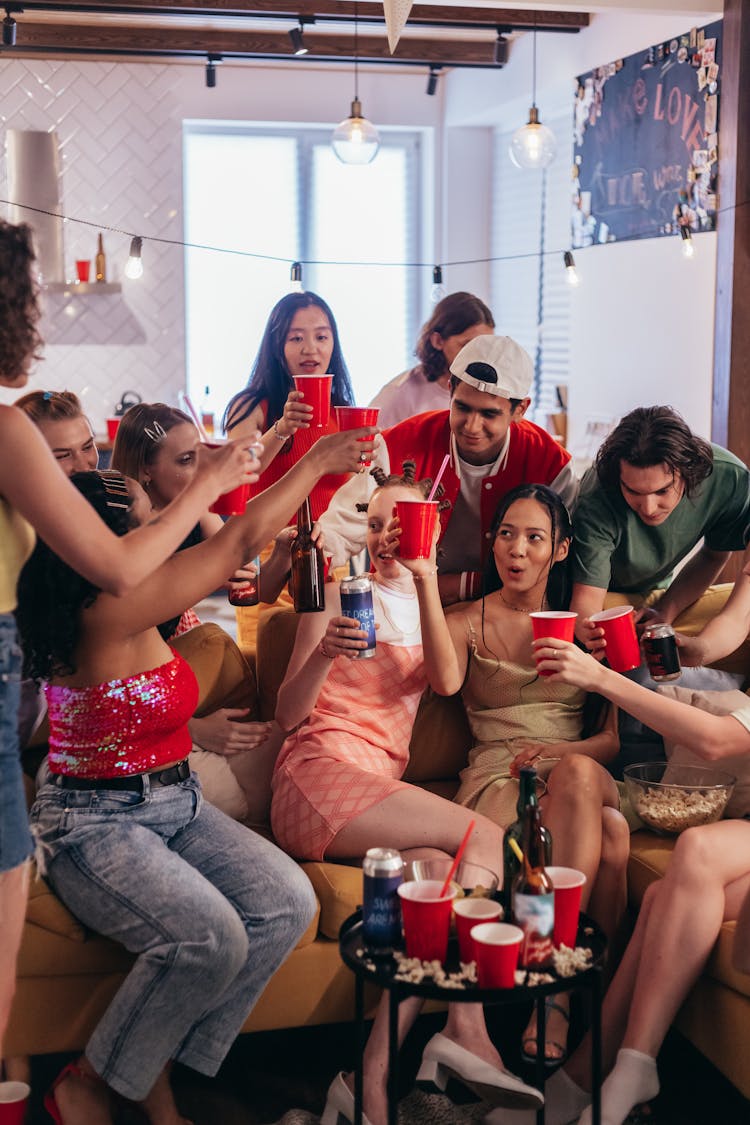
304 519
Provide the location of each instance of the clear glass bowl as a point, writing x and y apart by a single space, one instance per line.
470 878
670 798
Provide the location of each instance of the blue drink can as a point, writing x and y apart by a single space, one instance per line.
383 873
356 602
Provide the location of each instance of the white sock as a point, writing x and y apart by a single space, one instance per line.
563 1102
633 1079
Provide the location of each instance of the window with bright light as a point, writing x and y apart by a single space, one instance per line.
284 194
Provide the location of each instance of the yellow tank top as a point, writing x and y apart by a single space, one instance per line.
16 544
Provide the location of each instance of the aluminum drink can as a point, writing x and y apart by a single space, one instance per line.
356 602
382 874
662 653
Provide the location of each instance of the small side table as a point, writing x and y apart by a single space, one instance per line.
381 971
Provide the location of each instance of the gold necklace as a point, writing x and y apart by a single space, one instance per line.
515 608
397 629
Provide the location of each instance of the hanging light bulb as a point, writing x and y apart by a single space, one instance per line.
438 289
571 274
688 246
355 140
295 278
134 264
533 145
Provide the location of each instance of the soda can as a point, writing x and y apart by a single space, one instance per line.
356 602
382 874
662 653
248 593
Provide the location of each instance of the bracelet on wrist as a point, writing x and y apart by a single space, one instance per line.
277 434
322 650
427 574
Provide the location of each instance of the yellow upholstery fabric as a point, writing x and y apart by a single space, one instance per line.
225 678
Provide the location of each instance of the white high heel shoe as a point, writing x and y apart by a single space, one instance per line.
443 1059
339 1109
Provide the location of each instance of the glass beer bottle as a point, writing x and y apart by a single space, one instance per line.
533 897
100 261
511 865
308 566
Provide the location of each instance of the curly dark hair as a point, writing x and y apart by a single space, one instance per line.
270 379
654 435
453 315
19 299
558 591
51 594
406 479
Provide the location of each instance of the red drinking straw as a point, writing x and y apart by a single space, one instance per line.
436 482
459 855
195 416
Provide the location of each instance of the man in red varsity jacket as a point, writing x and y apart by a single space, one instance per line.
492 448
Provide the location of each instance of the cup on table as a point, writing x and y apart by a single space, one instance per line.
417 519
470 912
352 417
623 651
567 885
234 502
14 1100
559 623
83 270
317 394
113 424
496 949
427 918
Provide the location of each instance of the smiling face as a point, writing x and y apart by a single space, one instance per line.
309 342
379 513
480 422
175 464
451 345
652 492
72 444
523 551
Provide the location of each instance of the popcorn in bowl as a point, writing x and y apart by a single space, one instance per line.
670 798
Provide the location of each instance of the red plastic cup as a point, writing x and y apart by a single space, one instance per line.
83 270
234 502
113 425
496 949
623 651
417 519
559 623
352 417
427 918
470 912
317 394
567 884
14 1100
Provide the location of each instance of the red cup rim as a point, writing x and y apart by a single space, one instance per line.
578 880
613 613
416 501
484 938
562 614
484 901
326 376
403 891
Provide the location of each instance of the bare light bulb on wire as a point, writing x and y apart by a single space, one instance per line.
571 273
688 246
438 289
134 264
295 278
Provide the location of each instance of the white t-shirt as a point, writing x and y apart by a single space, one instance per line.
408 394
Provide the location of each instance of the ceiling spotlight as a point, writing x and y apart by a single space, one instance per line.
9 30
211 70
298 42
501 48
433 79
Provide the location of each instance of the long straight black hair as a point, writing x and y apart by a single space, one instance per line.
558 590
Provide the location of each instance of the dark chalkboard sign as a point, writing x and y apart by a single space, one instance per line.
646 142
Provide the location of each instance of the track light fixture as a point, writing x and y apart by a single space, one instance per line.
298 41
9 29
501 47
212 60
432 80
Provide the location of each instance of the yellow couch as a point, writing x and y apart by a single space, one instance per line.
67 976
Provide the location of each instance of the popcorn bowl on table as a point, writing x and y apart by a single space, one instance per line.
469 878
670 798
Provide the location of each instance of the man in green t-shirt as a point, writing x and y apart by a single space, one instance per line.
655 491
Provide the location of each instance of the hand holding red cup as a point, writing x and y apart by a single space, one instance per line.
352 417
622 652
316 392
553 623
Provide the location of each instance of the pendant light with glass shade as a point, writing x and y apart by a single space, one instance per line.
533 145
355 140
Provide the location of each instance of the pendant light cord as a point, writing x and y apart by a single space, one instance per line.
356 51
533 68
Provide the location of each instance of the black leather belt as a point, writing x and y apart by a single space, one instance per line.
134 783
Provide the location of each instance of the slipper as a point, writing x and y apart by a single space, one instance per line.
528 1043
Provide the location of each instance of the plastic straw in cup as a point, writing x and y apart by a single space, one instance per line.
457 859
515 849
195 416
436 482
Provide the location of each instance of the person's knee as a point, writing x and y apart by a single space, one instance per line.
216 949
296 903
574 778
693 857
615 838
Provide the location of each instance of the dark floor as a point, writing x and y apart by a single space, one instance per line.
268 1074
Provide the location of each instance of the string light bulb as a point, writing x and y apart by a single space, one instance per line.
355 140
571 273
438 289
295 278
533 145
134 264
688 246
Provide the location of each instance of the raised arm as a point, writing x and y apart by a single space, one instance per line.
308 667
33 483
698 573
725 632
344 528
296 416
585 601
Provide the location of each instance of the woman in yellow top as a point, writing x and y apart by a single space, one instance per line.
35 495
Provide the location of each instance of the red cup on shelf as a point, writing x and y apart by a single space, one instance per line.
352 417
14 1100
623 652
470 912
316 390
417 519
567 885
113 425
83 270
496 949
234 502
427 918
559 623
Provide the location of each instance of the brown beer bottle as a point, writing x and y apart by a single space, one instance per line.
533 899
308 566
511 865
100 262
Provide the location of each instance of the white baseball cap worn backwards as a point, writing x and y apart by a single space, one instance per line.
495 365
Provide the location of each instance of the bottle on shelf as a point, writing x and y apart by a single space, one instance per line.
207 414
533 896
511 865
100 262
308 566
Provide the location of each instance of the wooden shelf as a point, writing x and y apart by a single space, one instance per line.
83 288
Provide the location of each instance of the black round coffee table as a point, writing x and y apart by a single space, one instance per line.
382 971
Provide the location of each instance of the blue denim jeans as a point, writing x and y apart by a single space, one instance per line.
210 908
15 838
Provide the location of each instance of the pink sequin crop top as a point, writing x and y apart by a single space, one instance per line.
122 727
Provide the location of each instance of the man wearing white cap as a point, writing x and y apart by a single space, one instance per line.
492 448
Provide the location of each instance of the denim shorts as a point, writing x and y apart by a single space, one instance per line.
15 837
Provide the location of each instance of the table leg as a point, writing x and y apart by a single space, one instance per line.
392 1085
539 1069
596 1047
359 1021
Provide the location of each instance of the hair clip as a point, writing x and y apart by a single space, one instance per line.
116 487
48 395
155 432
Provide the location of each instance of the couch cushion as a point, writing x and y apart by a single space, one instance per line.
339 890
225 678
44 909
440 740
